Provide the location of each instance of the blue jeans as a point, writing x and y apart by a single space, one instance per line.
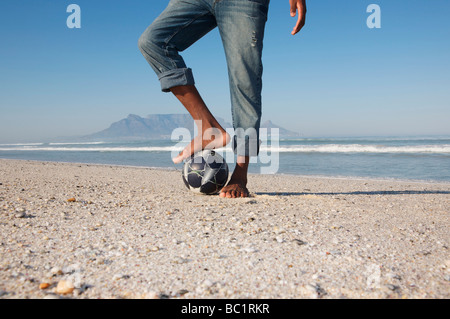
241 26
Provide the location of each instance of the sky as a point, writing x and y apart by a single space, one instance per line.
337 77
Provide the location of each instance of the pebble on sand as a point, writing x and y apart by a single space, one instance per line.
64 287
20 214
44 285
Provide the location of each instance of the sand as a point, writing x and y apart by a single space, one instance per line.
103 231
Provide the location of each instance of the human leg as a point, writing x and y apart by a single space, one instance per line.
237 186
180 25
241 25
211 134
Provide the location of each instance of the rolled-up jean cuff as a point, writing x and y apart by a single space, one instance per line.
246 146
176 77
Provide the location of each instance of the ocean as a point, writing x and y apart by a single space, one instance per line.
403 158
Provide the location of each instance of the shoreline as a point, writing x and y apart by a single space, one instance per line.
109 231
338 177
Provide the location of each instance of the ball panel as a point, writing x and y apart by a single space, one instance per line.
214 161
209 188
195 178
197 163
222 177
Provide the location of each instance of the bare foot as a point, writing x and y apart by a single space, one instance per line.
234 189
237 186
211 138
211 134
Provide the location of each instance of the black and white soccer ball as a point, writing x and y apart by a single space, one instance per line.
206 172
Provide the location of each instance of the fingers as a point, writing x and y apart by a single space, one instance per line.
299 6
293 7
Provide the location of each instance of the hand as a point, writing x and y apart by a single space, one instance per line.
300 6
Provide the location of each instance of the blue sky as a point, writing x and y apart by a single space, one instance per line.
336 78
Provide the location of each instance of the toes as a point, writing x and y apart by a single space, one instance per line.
243 194
234 191
180 157
177 160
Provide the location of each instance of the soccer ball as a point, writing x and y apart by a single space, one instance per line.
205 172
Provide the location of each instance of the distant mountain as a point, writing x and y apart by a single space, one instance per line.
157 126
282 131
154 126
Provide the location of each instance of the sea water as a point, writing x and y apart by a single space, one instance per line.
406 158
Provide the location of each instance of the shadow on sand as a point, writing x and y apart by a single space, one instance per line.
405 192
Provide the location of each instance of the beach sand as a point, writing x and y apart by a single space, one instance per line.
100 231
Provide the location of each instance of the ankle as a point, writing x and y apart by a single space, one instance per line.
239 176
218 135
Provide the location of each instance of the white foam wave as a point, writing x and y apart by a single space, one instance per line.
368 139
358 148
328 148
22 144
81 143
97 149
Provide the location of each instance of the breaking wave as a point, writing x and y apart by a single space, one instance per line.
326 148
